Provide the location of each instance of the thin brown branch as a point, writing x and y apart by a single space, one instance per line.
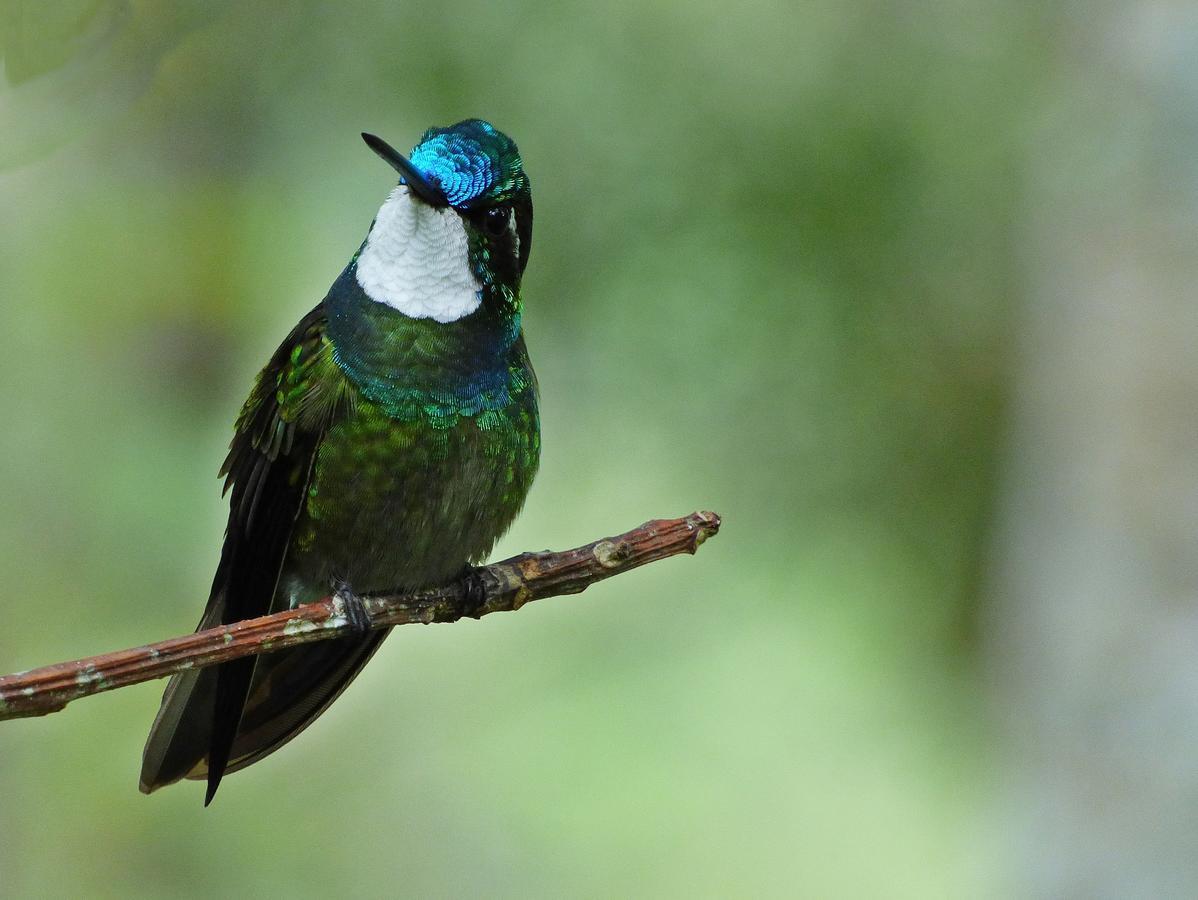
499 587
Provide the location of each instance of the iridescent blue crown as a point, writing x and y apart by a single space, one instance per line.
471 161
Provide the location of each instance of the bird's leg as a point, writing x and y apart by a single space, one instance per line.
355 609
474 593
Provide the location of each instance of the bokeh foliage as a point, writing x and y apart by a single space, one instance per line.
772 276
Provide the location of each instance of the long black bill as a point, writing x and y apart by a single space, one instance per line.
420 186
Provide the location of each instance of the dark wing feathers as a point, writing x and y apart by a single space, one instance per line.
291 688
266 473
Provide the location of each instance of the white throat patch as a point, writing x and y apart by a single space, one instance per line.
416 261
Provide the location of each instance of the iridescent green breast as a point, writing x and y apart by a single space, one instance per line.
401 504
429 461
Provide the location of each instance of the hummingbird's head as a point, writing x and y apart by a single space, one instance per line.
456 229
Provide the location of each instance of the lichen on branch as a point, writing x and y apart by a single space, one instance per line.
498 587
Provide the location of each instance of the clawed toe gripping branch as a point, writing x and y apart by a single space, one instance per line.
499 587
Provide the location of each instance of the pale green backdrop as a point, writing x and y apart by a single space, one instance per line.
780 252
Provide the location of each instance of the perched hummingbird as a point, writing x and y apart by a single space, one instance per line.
388 443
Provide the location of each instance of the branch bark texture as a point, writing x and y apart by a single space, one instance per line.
499 587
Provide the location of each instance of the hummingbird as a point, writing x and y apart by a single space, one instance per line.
386 446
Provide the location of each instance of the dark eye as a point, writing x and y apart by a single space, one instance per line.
495 221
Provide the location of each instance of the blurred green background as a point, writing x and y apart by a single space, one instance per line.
784 261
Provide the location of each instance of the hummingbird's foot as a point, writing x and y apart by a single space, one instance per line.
474 593
355 609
